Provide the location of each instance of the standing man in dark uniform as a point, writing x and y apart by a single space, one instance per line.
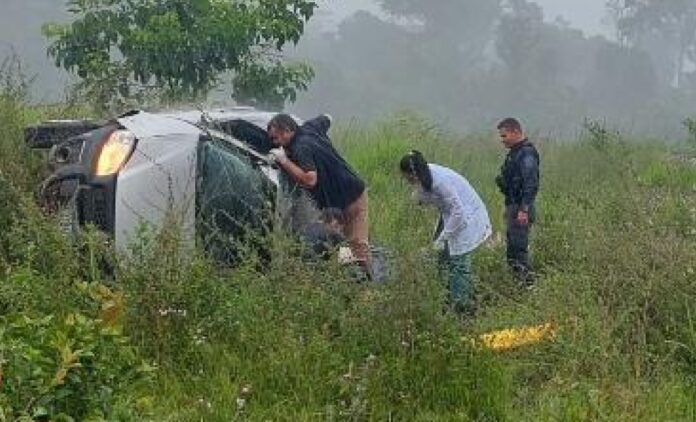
306 154
519 182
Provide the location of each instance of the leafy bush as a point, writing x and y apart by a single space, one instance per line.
16 164
72 368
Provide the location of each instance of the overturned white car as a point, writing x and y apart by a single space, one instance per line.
207 169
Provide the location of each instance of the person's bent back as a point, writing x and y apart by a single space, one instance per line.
308 157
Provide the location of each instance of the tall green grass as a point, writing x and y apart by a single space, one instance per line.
614 245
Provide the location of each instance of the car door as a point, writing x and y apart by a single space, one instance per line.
235 202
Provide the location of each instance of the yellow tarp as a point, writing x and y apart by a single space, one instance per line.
513 338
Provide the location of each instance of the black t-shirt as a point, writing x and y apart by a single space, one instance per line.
338 185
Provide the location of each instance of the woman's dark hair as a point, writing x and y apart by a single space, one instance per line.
414 164
283 122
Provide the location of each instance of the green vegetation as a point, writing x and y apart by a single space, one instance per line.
125 50
173 338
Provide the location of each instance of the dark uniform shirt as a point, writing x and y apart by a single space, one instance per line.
338 185
519 175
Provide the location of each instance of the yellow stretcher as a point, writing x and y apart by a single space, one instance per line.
513 338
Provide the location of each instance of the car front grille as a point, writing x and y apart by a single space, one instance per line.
95 208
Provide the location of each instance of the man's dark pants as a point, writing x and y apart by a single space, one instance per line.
518 240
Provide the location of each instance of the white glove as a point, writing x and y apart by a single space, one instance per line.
278 155
345 255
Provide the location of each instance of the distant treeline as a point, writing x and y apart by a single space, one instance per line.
471 62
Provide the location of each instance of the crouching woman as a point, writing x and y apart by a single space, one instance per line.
463 223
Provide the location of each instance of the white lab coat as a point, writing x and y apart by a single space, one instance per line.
465 218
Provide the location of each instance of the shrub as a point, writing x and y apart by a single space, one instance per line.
75 367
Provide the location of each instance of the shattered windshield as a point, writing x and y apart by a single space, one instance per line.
235 203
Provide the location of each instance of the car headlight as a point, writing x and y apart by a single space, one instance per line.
114 153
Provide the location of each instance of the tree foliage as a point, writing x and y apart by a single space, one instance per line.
670 23
445 14
251 83
434 57
519 33
183 47
464 26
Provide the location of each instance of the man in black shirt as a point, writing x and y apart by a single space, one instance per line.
519 182
306 154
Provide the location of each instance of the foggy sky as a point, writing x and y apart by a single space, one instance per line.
21 21
586 15
20 29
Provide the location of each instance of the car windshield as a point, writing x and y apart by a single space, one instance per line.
236 201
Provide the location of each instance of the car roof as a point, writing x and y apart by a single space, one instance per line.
258 117
146 124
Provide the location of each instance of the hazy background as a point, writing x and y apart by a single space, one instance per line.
465 63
